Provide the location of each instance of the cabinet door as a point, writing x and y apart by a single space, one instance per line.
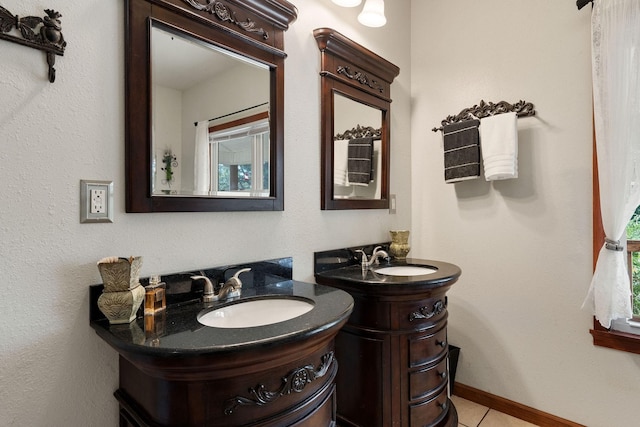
363 377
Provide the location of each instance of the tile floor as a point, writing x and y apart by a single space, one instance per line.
471 414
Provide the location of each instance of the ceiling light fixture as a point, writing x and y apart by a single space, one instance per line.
372 14
347 3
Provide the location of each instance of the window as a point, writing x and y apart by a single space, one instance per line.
633 262
240 157
616 339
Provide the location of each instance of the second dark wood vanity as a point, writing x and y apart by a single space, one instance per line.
393 350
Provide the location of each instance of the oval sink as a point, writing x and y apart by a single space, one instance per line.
406 270
255 313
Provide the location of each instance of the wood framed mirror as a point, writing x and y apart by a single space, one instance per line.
204 104
355 123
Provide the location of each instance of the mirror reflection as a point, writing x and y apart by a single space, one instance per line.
211 134
357 150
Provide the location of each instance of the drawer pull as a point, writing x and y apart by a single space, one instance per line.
443 406
442 375
442 344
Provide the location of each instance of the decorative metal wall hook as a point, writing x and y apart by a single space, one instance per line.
47 38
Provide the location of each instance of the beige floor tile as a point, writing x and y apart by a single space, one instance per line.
469 413
498 419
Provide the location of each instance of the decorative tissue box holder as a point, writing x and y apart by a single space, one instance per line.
123 294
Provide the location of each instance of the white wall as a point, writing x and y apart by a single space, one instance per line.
54 370
524 245
167 135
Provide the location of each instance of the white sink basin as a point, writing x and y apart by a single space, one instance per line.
255 313
406 270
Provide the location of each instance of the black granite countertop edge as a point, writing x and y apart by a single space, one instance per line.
181 334
263 342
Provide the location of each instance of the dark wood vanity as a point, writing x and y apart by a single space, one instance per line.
393 350
292 384
176 372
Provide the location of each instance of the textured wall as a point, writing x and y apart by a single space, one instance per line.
54 370
524 245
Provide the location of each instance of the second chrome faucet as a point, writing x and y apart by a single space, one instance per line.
377 253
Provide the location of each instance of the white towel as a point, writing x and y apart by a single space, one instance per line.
499 142
340 155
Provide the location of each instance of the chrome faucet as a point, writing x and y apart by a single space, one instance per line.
230 289
377 253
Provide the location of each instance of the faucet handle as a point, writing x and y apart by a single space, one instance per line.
208 293
235 280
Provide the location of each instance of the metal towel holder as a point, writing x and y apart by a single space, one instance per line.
485 109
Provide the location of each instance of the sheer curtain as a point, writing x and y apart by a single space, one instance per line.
201 160
615 26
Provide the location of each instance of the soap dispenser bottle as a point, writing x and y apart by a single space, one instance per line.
155 298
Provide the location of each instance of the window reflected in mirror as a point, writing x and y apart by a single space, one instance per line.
210 119
239 158
357 152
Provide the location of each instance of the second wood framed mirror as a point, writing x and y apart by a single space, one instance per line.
355 128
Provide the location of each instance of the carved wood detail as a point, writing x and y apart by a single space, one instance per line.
225 14
360 77
294 381
425 313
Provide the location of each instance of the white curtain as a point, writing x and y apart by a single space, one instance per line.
201 159
616 91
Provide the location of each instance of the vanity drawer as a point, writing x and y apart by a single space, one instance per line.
424 382
431 412
419 314
427 348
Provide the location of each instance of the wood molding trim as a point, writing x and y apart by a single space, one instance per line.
509 407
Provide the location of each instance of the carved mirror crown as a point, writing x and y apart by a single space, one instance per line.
245 33
355 128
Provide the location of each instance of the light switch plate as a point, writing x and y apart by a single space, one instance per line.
392 204
96 201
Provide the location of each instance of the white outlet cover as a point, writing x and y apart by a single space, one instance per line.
96 201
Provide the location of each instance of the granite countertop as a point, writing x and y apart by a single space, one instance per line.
354 273
342 268
177 332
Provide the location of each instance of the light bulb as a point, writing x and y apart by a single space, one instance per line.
347 3
372 14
